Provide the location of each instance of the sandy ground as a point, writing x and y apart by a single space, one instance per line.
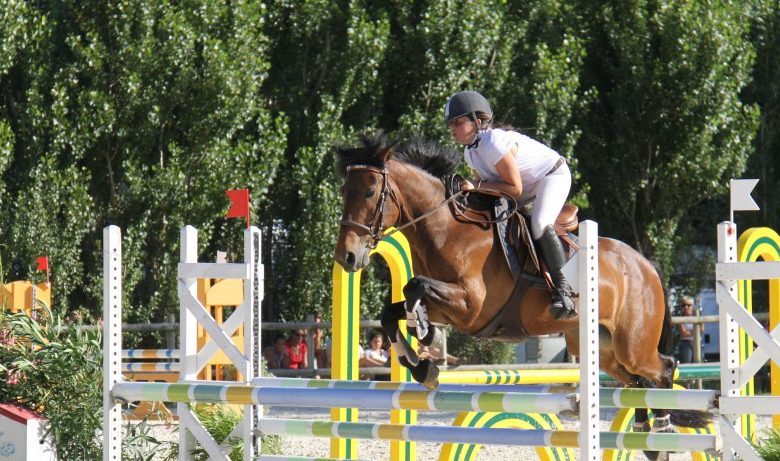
380 449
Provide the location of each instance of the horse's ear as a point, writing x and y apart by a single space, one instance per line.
387 152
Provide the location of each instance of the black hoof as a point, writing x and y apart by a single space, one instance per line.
657 455
426 373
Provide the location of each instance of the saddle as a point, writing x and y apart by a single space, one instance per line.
512 226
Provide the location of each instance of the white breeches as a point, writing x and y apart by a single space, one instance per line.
551 194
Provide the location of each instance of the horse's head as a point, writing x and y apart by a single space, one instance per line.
369 203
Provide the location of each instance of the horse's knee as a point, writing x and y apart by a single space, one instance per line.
391 314
415 288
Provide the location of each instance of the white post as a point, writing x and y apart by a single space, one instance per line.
188 340
253 297
112 342
589 345
729 331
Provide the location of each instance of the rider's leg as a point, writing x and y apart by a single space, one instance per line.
561 306
551 194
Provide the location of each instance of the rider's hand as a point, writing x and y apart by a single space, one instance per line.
466 185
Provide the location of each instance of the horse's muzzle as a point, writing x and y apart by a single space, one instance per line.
353 260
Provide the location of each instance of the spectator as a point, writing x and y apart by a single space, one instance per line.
686 332
297 350
276 355
320 346
375 355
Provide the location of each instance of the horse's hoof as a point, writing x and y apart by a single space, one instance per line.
426 373
431 385
657 455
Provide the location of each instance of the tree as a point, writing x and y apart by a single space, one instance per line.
764 91
134 114
667 128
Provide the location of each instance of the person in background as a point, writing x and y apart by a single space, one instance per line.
686 332
297 351
319 345
276 355
375 355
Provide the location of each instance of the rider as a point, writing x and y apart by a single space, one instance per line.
506 160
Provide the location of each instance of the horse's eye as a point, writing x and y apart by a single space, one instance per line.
370 193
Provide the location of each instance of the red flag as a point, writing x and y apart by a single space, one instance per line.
43 263
239 206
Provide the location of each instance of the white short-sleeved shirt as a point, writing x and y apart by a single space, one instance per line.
533 159
382 354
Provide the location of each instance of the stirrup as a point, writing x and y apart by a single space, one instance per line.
559 308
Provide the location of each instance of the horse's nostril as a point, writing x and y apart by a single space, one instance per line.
350 258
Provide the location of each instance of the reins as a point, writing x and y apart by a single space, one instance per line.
375 229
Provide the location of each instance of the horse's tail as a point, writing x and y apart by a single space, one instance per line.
666 341
687 418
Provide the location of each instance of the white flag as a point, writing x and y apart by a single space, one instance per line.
740 195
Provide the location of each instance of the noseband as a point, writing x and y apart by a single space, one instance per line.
375 229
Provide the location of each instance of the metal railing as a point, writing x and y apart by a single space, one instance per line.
171 329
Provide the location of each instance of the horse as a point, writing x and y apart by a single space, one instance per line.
462 278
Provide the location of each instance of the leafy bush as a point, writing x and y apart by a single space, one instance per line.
58 372
769 446
475 350
219 421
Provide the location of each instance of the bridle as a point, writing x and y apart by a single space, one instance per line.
376 231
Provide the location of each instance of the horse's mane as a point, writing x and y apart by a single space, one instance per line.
431 157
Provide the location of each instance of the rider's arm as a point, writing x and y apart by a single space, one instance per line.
511 184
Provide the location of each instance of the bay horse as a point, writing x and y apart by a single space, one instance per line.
462 278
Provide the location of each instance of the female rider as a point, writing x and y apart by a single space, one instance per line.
522 167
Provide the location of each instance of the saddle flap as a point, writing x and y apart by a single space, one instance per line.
567 220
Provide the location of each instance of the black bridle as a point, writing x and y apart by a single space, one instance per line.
375 229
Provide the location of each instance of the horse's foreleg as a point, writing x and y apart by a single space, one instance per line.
418 290
423 371
391 314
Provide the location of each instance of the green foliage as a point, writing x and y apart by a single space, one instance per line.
667 129
56 371
478 350
219 421
765 92
136 114
768 447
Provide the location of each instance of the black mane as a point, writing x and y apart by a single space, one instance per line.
431 157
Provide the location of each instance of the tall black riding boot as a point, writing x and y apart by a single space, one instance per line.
561 306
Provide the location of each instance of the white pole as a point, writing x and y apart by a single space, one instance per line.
253 296
729 331
112 342
589 345
188 340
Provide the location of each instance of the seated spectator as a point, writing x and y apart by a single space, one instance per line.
297 351
276 355
375 355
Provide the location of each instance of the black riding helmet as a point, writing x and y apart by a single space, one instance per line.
466 103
